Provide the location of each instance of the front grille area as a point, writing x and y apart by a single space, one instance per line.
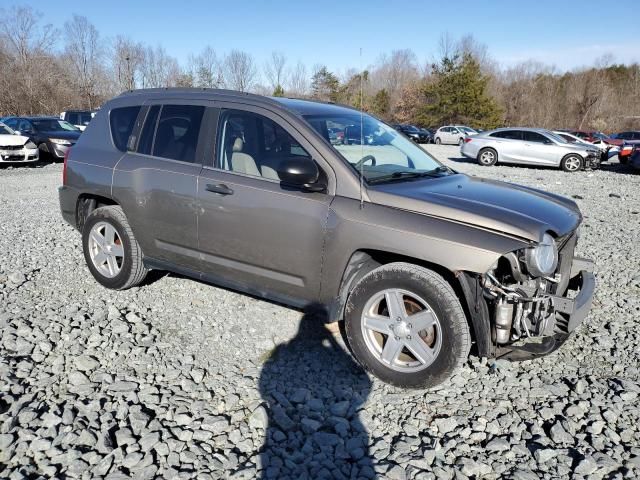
12 147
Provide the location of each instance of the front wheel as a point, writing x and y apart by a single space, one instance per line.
111 251
405 324
571 163
438 141
460 141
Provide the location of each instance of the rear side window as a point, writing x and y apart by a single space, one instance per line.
122 121
508 134
177 133
146 139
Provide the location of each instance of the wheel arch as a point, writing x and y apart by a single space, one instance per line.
363 261
87 203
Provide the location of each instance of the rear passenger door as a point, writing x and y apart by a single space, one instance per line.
255 233
156 180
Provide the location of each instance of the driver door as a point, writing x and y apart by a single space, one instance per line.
255 233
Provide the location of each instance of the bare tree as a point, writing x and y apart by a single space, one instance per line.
85 54
206 69
298 81
240 71
159 69
30 46
127 59
274 70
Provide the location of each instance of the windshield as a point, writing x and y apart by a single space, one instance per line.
4 130
411 128
555 137
600 136
467 129
53 125
375 148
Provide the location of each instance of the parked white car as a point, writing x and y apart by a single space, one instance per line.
453 134
530 146
78 118
16 148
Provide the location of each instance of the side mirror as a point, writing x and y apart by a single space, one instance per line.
300 173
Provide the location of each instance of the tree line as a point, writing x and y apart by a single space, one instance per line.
45 70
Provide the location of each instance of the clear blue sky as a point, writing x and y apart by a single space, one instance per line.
566 34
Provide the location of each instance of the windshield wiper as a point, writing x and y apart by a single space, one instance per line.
404 174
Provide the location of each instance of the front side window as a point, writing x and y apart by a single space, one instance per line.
178 131
374 148
122 121
534 137
255 145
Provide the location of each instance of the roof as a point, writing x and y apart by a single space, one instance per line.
297 105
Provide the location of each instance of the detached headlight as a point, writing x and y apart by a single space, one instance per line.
30 145
60 141
542 260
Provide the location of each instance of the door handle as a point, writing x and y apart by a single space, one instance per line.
220 188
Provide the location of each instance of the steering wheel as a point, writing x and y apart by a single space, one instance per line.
362 161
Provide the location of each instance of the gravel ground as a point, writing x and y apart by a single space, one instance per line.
180 379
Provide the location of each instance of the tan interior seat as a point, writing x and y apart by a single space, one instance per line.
242 162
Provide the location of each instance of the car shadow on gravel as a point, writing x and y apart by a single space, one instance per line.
313 391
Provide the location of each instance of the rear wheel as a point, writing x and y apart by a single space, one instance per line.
111 251
460 141
487 157
438 141
405 324
571 163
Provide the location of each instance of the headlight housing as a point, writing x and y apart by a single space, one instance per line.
30 145
60 141
542 259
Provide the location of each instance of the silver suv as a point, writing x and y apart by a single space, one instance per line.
248 192
530 146
453 134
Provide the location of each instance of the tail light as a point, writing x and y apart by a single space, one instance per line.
64 167
467 139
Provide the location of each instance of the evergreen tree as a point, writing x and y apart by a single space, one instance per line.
278 91
381 104
457 94
325 85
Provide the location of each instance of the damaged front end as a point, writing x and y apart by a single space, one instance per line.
530 300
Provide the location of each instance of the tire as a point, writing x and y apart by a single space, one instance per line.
572 163
487 157
427 300
623 160
438 141
129 269
460 141
44 153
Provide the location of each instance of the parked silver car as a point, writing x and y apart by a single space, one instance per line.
531 146
453 134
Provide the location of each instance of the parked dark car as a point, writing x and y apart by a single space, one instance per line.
246 191
627 141
414 133
52 135
634 158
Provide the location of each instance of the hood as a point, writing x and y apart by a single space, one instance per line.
6 140
499 206
65 135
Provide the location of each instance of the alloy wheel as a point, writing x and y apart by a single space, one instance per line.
401 331
106 249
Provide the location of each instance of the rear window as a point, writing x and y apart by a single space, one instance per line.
177 132
122 121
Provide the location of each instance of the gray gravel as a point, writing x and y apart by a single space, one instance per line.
179 379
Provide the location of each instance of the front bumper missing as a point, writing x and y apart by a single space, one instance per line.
569 313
